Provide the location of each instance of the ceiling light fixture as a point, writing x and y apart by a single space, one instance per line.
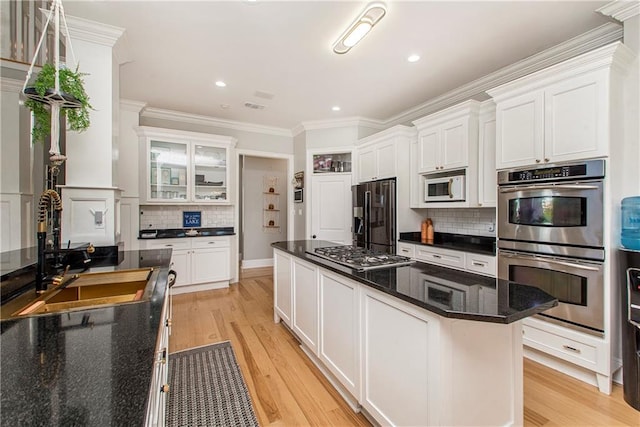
360 27
413 58
220 83
336 108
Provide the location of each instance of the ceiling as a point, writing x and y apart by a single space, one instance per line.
179 49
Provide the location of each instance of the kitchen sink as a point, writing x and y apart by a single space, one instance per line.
89 290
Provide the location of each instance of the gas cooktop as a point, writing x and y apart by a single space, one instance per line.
360 258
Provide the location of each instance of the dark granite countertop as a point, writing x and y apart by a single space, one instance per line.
88 367
172 233
444 291
460 242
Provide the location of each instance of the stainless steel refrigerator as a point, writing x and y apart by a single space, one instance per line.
374 215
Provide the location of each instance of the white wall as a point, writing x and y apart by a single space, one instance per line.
257 239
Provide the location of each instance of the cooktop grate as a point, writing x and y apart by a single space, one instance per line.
360 258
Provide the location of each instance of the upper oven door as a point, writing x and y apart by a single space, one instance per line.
560 213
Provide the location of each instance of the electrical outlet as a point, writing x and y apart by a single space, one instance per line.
491 227
98 219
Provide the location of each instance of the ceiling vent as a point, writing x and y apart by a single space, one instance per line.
254 106
263 94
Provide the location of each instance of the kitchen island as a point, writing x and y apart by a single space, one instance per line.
89 367
411 345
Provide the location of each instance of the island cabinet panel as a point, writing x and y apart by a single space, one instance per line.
398 362
340 330
305 303
282 287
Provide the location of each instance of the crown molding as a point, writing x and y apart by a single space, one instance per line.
620 10
11 85
133 106
397 130
91 31
470 107
157 113
600 36
344 122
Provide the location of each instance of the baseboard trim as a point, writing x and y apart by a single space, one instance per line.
184 289
257 263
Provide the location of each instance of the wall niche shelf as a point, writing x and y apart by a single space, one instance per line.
271 205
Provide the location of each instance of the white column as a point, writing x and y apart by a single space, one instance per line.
90 197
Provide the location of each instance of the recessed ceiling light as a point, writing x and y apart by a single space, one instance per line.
413 58
220 83
336 108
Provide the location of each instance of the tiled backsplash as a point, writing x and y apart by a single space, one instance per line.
474 221
171 216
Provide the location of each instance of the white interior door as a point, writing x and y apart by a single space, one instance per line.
331 208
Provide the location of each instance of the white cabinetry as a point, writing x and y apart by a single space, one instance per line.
200 262
403 364
468 261
376 160
340 329
560 113
159 388
305 303
398 361
282 287
487 179
448 139
185 167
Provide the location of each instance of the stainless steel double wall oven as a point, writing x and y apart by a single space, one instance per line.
551 235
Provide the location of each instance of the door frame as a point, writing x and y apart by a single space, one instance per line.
238 193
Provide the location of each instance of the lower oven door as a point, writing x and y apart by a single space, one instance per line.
577 284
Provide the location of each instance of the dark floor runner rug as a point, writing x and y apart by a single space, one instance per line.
207 389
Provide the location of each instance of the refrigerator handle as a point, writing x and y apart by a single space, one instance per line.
367 218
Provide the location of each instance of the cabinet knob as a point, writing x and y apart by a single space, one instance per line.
168 322
546 160
313 237
164 388
537 160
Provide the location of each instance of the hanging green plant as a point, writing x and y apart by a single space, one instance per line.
71 88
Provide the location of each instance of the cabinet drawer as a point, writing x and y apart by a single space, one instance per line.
210 242
175 244
440 256
571 350
407 249
482 264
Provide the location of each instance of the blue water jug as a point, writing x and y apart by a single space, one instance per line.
630 235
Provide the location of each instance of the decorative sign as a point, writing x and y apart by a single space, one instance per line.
191 219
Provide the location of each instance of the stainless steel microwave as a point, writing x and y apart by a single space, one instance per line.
297 195
444 189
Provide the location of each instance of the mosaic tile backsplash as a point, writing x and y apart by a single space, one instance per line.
159 217
473 221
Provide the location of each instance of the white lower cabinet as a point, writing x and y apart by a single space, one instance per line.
440 256
404 365
200 262
340 330
305 303
156 407
468 261
397 363
282 287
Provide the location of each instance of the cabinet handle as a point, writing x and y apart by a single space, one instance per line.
212 243
478 264
437 256
169 245
164 388
406 251
479 204
573 349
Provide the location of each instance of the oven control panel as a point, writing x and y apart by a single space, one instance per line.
588 169
633 295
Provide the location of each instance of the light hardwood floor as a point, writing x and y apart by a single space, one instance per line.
288 390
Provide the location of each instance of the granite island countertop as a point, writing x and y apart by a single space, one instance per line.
86 367
447 292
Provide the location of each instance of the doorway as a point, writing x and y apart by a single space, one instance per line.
263 207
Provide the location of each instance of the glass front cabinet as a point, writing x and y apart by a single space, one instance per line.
179 167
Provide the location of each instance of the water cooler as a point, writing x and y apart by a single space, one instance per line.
630 327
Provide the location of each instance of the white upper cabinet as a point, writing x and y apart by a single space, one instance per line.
377 160
487 179
560 113
179 167
448 139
